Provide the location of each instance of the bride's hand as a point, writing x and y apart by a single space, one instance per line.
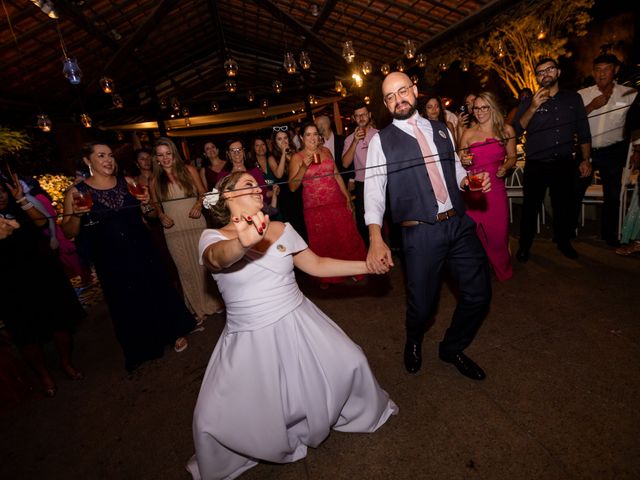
251 228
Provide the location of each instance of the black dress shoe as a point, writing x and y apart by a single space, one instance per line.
522 255
465 366
412 356
568 251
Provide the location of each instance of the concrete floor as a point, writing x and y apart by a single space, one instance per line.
561 348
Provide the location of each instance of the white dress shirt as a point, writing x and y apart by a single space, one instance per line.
330 143
375 184
607 123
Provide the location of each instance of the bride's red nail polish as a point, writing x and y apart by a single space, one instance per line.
264 225
260 231
249 218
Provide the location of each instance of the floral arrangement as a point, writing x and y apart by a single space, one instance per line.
55 186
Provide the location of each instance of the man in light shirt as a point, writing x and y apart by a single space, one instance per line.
607 104
354 157
335 144
413 159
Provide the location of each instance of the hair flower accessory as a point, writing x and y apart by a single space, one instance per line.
210 199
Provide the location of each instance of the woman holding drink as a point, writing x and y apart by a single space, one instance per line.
328 209
490 146
107 211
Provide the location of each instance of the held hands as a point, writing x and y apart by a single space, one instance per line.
251 229
379 258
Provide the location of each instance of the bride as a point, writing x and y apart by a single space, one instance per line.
282 373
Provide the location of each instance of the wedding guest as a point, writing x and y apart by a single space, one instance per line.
103 211
213 166
328 208
176 190
39 304
492 145
282 374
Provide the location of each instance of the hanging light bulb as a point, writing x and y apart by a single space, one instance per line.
464 65
338 86
263 111
415 79
443 67
542 34
187 122
230 85
215 108
311 98
231 67
163 103
71 70
119 136
409 49
400 66
357 79
344 93
264 103
315 9
277 86
501 52
86 120
250 96
289 63
107 85
367 100
304 60
117 100
421 60
185 111
367 68
385 69
44 123
348 52
175 104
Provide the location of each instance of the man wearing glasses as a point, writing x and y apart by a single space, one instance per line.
552 119
413 160
354 157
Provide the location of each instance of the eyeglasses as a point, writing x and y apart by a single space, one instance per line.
544 71
363 115
483 108
236 150
283 128
403 92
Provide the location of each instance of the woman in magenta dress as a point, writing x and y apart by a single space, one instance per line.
492 146
328 209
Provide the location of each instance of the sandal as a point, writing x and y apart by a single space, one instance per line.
181 345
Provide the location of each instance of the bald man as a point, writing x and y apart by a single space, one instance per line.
414 160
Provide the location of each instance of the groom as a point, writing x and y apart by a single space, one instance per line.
425 199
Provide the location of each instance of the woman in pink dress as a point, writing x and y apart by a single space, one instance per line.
328 209
490 145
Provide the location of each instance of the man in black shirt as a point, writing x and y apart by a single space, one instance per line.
552 119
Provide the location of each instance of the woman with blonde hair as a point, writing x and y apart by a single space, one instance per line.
176 190
491 145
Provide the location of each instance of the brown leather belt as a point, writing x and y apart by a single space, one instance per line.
440 217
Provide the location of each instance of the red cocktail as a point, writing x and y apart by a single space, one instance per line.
136 189
82 200
475 180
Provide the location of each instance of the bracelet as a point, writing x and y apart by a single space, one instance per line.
21 199
26 206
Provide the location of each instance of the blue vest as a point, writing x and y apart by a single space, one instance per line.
409 188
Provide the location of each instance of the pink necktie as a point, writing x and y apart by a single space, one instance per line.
437 183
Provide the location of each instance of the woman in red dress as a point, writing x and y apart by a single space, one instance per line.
328 209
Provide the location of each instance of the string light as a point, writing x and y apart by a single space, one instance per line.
289 63
367 68
107 85
277 86
231 85
86 120
409 49
421 60
214 107
117 100
338 86
44 123
385 69
231 67
304 60
250 96
400 66
348 52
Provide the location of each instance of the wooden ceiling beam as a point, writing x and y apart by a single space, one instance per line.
296 26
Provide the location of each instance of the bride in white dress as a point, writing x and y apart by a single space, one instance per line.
282 373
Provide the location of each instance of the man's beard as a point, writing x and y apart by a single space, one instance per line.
548 83
410 112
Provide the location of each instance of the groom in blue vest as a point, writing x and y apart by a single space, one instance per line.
415 161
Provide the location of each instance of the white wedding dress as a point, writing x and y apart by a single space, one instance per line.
282 373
